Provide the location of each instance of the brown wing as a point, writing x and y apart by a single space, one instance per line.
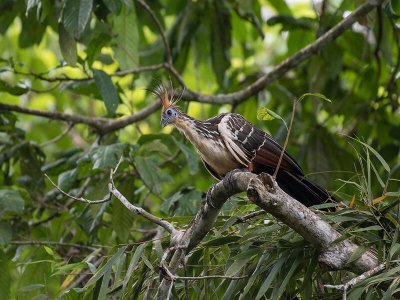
250 145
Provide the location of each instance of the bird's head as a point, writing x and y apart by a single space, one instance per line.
170 112
169 115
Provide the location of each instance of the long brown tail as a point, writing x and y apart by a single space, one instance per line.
301 188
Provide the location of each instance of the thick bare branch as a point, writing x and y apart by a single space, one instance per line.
264 191
102 125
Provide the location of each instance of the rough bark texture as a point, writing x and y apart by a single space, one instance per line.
264 192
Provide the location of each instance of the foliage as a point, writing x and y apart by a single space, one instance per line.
91 59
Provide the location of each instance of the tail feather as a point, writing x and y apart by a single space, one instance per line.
301 188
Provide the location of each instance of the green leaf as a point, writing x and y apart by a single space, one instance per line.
121 217
67 179
83 87
148 171
104 285
95 46
5 277
184 202
317 95
5 233
265 114
11 201
106 157
236 267
357 254
13 90
70 267
271 276
220 39
377 155
280 6
389 9
289 22
113 6
133 263
76 16
222 241
67 45
127 38
190 155
288 277
107 90
106 267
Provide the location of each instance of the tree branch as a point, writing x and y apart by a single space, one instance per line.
287 64
264 192
102 125
80 199
138 210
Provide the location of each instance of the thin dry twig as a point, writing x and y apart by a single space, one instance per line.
81 199
138 210
348 285
59 137
160 29
250 216
286 140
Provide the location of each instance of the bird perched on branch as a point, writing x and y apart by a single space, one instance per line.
228 142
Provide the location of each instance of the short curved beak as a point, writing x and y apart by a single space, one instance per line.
164 122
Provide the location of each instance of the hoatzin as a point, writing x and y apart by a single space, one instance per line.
228 142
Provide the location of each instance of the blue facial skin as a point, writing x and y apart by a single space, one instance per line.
168 116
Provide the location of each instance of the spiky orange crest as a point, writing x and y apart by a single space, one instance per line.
163 94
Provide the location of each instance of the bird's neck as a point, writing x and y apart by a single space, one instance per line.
194 130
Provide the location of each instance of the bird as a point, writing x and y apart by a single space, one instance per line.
229 142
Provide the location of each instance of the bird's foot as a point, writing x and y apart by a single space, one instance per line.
209 197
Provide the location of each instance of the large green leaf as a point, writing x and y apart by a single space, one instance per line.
148 171
107 267
10 201
107 90
191 156
76 16
106 157
67 45
220 39
184 202
127 38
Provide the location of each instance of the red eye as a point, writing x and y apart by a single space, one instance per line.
169 112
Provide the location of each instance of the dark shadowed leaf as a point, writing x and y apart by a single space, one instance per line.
5 233
220 39
191 156
222 241
148 170
67 45
107 90
13 90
